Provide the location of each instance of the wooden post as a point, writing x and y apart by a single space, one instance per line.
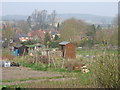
53 62
64 59
36 59
48 58
23 53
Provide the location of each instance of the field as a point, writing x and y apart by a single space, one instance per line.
99 62
24 77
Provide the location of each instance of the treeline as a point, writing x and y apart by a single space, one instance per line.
83 34
36 21
73 30
41 20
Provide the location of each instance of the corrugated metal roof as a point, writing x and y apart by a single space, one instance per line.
64 43
19 45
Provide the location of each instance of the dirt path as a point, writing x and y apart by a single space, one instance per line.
11 73
16 75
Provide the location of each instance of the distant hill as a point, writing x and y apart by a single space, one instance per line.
14 17
86 17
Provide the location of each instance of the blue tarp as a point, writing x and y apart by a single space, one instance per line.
16 52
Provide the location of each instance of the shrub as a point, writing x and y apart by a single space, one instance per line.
30 42
6 55
105 70
54 44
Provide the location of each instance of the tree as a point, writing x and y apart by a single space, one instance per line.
58 26
8 32
91 31
47 40
30 42
53 15
71 28
108 36
41 19
56 37
98 27
29 20
24 26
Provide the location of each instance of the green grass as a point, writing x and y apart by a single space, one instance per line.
84 52
41 67
95 51
57 70
38 66
82 80
26 79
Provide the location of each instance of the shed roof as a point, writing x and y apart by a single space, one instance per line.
19 45
64 43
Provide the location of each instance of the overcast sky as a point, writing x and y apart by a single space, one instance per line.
94 8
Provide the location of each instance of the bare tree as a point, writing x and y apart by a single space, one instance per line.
8 32
24 26
41 19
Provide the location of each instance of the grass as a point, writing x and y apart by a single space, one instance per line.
35 67
57 70
39 78
83 80
94 51
84 52
95 78
51 84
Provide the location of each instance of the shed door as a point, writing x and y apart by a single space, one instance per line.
63 50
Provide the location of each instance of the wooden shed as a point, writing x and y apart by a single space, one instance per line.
68 50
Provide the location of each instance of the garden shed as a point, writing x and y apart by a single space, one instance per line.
68 50
21 49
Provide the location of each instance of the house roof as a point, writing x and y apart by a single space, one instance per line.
64 43
23 35
54 32
40 33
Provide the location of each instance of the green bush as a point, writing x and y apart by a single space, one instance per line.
54 44
38 66
88 43
30 42
105 70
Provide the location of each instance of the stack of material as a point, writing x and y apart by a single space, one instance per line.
15 64
78 67
84 69
5 63
8 64
73 65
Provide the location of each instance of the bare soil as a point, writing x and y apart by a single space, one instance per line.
9 73
18 73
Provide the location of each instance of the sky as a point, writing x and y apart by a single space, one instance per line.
94 8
